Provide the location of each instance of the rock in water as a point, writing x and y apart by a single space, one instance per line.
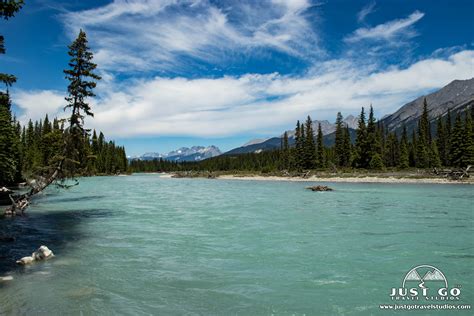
43 253
25 260
6 278
319 188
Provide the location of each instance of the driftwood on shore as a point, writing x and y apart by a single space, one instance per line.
194 174
454 174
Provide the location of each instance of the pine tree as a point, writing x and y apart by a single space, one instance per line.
457 142
8 164
8 8
347 148
424 124
423 146
449 124
320 151
9 159
468 141
361 160
441 141
339 141
434 160
309 145
299 143
376 162
82 82
413 148
373 145
404 161
285 152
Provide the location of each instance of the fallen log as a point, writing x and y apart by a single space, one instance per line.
319 188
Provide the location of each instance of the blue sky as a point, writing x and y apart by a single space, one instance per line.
183 73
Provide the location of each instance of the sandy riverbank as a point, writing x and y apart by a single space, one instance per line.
346 179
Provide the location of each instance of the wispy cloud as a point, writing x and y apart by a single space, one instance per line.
232 105
137 35
396 29
365 11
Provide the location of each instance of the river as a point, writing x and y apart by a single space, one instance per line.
144 244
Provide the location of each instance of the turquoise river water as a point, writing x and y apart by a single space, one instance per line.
149 245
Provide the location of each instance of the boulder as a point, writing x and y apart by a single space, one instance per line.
25 260
43 253
319 188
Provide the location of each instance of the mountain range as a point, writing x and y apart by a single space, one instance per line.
195 153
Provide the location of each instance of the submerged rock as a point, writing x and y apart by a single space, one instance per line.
43 253
319 188
6 278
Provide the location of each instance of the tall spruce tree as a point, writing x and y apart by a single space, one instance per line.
441 141
423 146
468 141
347 148
320 151
457 142
285 152
298 153
404 160
82 80
339 141
449 129
309 145
373 146
362 156
8 161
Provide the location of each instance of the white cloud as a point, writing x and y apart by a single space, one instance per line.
387 31
133 35
36 104
251 103
365 11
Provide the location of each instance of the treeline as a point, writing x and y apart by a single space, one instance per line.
32 149
432 144
264 162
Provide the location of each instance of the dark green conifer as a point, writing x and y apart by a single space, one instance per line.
320 151
361 160
309 150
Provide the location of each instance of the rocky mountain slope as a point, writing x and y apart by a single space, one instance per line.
456 96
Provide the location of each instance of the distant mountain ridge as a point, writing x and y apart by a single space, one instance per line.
195 153
456 96
328 129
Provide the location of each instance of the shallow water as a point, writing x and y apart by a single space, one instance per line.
149 245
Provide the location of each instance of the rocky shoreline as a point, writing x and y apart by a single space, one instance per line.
325 177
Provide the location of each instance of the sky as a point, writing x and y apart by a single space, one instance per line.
201 72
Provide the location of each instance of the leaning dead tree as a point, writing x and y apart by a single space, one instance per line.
66 164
